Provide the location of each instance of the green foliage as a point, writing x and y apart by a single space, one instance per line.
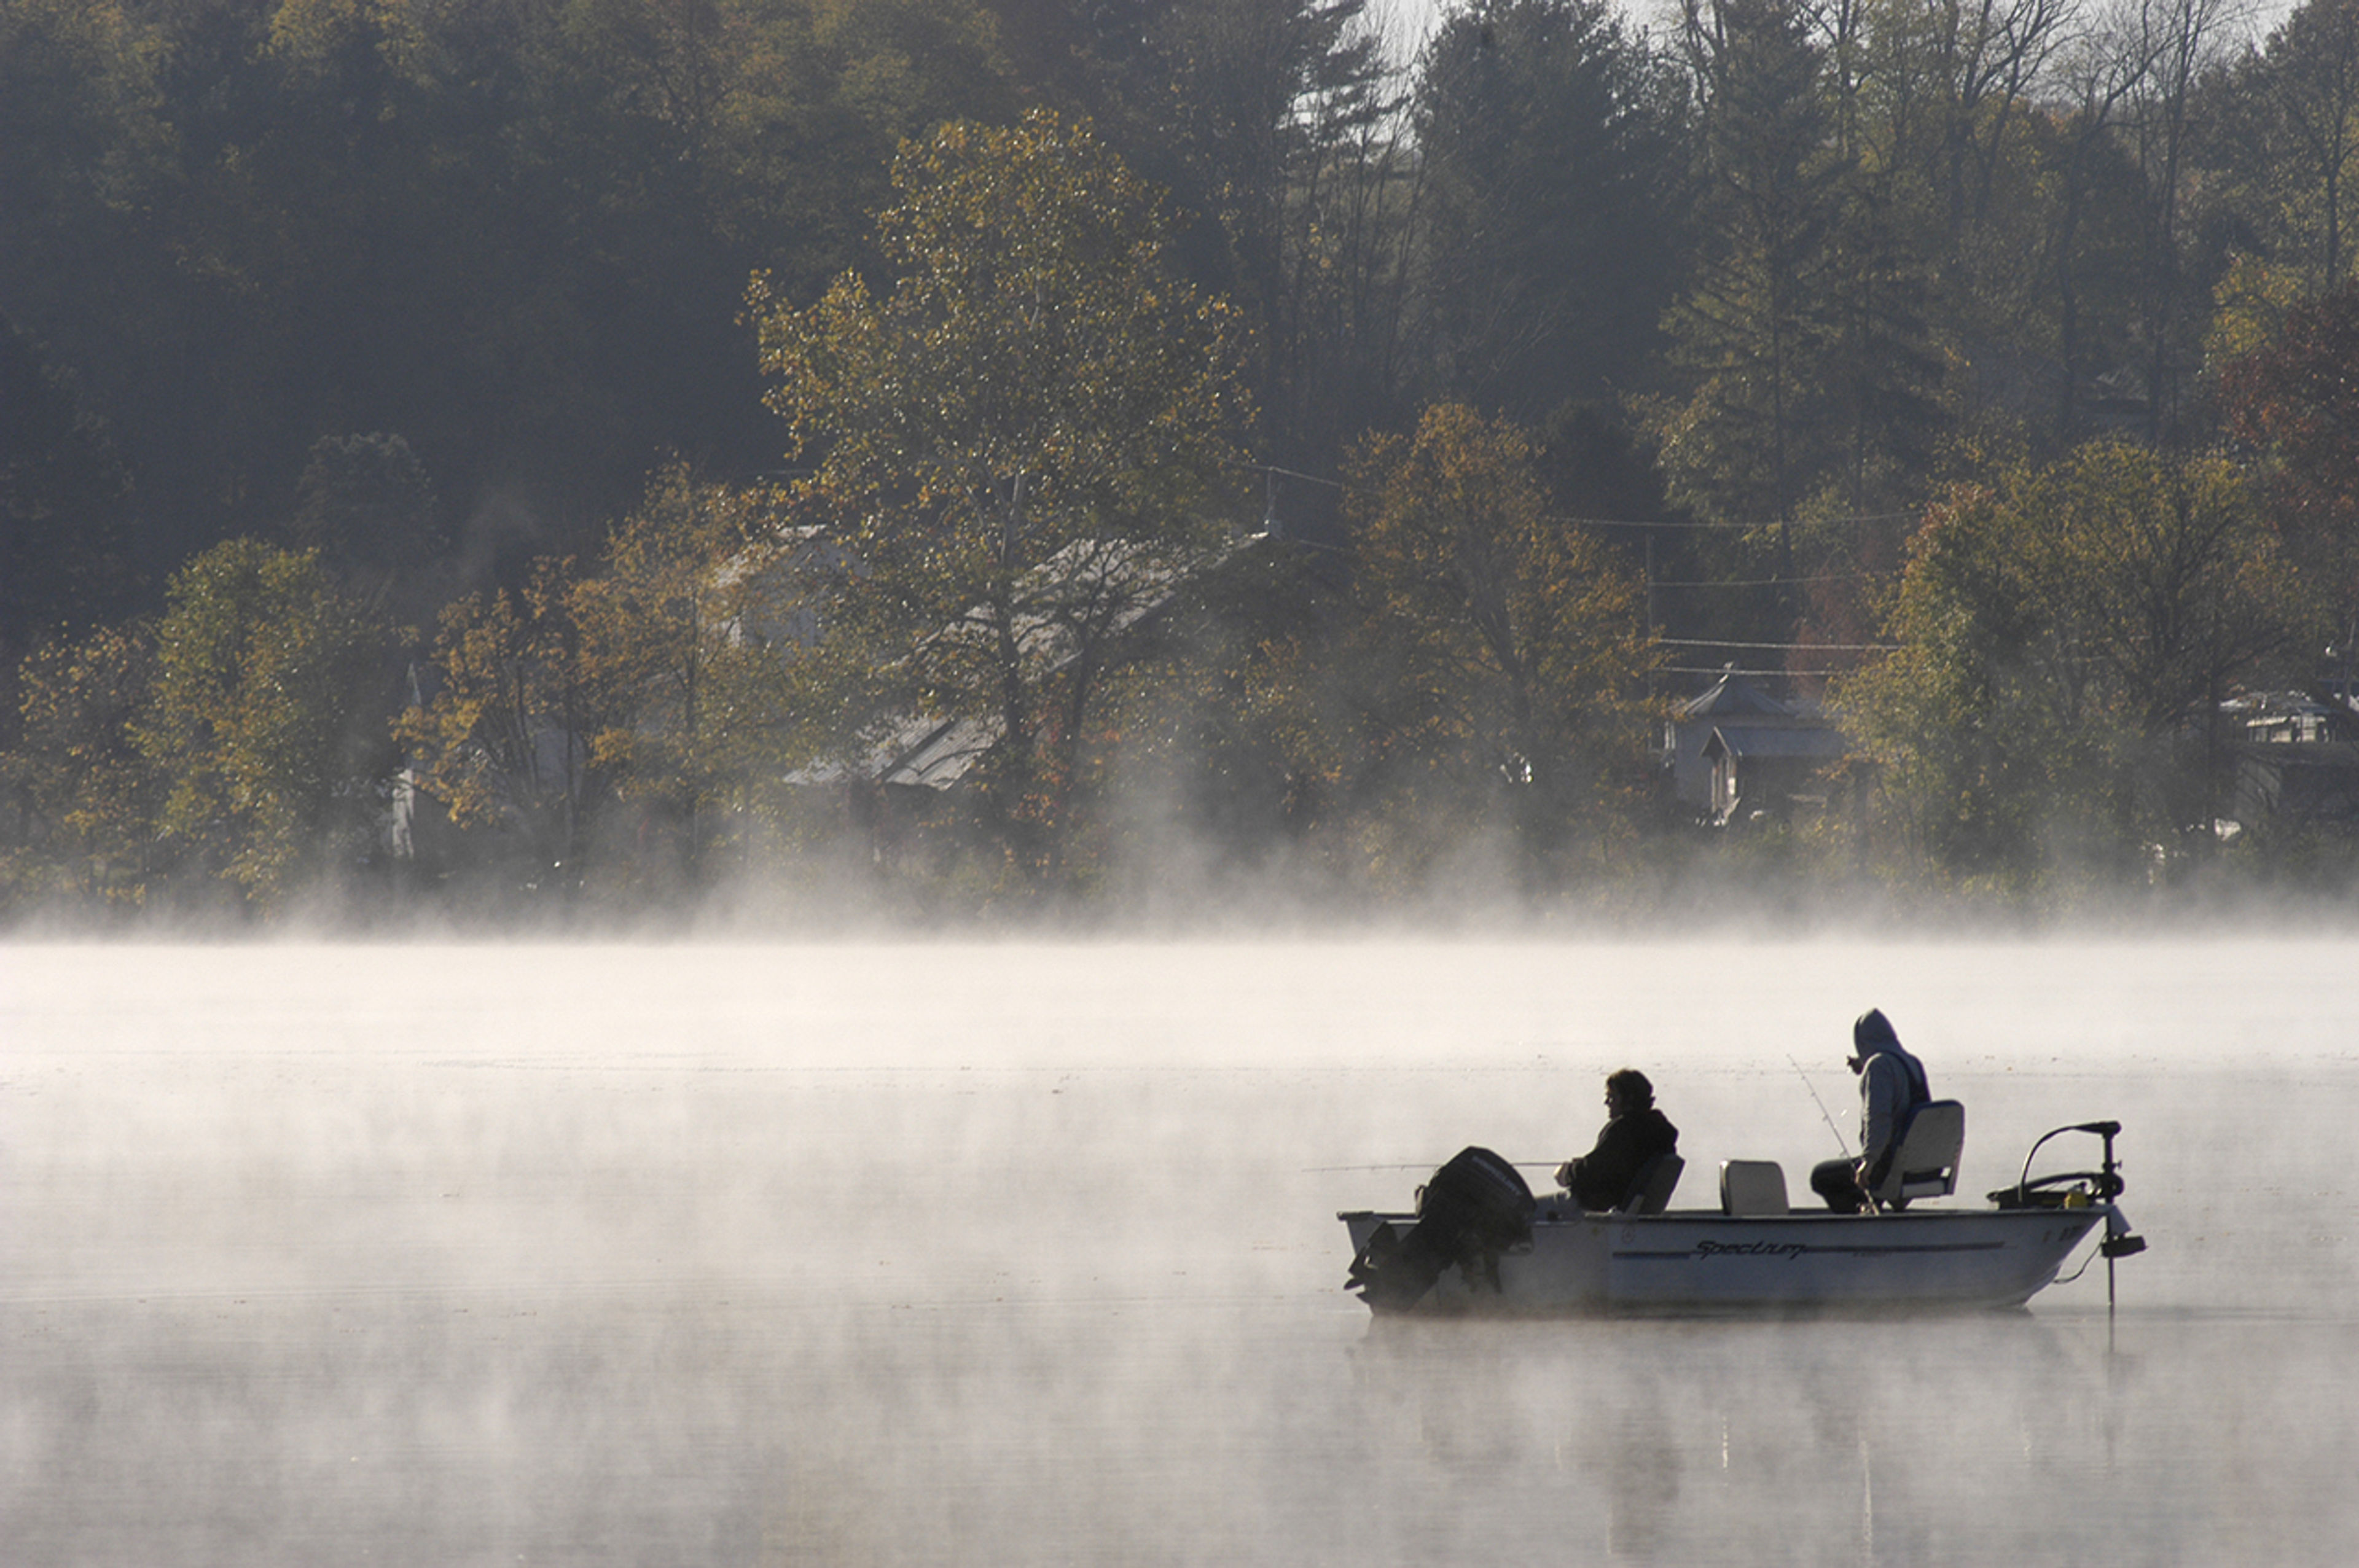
1895 237
83 144
664 684
1275 125
366 504
62 502
266 717
2250 304
2296 401
1756 333
2288 141
92 796
497 743
517 233
2068 632
1554 205
1810 364
1025 443
1513 648
689 644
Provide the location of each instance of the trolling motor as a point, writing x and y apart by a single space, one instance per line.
2080 1189
2066 1189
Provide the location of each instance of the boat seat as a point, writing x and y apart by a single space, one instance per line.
1650 1189
1752 1187
1925 1163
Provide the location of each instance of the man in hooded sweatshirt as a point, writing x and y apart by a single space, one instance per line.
1891 1086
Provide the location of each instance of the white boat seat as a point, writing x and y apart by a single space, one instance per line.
1925 1163
1650 1189
1752 1187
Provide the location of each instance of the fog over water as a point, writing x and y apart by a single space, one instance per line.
1027 1253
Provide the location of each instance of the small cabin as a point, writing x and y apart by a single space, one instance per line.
1759 769
1733 750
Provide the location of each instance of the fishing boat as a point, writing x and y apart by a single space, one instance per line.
1474 1248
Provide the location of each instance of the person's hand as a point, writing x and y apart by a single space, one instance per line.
1566 1172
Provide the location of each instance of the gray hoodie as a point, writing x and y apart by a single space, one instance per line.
1891 1083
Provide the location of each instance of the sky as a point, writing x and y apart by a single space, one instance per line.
1417 17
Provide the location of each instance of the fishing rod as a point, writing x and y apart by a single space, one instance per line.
1405 1165
1841 1141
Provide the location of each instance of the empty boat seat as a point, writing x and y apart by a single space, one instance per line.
1925 1163
1752 1186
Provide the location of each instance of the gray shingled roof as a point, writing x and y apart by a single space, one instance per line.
1761 741
1731 696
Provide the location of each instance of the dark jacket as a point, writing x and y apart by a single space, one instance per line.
1602 1178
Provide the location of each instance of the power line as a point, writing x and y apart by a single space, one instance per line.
1764 582
1295 473
1771 522
1721 670
1742 526
1784 647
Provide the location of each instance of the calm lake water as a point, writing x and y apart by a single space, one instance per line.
1027 1254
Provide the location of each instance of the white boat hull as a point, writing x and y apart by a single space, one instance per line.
1705 1261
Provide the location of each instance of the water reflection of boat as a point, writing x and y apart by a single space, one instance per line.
1752 1254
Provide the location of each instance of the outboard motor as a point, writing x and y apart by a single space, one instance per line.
1473 1209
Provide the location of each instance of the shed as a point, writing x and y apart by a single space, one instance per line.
1734 702
1768 767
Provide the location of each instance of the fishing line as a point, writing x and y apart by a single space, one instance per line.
1328 1170
1841 1141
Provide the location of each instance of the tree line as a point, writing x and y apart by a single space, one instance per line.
621 426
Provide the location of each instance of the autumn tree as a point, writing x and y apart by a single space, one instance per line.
1513 641
497 737
89 796
267 716
2296 402
1024 441
1947 98
689 641
2282 144
2067 632
662 680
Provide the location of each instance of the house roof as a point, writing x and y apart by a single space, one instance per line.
934 753
2280 717
942 758
1760 741
1124 581
1731 696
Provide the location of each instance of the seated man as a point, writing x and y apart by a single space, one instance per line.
1892 1084
1634 1133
